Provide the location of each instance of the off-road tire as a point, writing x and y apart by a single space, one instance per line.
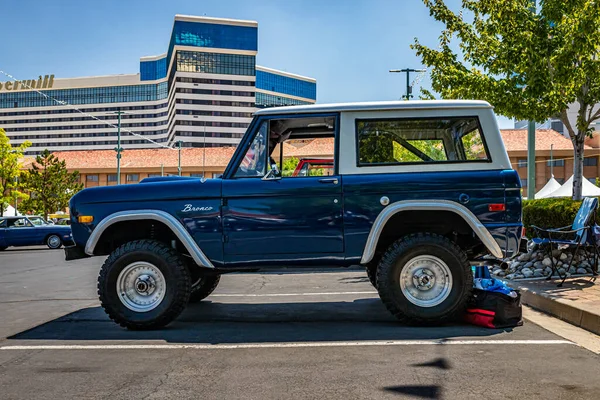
176 276
55 246
396 258
204 287
371 268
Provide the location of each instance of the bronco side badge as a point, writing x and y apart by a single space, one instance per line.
189 207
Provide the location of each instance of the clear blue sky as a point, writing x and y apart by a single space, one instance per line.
347 45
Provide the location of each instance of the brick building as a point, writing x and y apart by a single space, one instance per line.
515 141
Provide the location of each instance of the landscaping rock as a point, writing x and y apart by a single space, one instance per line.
556 253
519 276
581 271
562 271
572 270
527 273
529 264
537 264
538 273
547 262
563 256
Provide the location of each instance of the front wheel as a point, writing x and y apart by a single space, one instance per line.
144 285
425 279
53 242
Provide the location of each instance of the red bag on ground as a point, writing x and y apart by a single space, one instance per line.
494 310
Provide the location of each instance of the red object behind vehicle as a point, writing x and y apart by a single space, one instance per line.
306 164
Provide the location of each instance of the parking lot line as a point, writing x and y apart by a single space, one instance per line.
286 345
289 294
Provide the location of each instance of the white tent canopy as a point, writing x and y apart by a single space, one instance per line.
548 188
588 189
10 212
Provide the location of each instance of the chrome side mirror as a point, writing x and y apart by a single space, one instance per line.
273 174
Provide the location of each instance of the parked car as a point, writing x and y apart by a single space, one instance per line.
32 230
63 221
419 192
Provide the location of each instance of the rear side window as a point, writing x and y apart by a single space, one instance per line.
420 140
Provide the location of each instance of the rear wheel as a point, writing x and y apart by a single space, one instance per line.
53 241
425 279
204 287
144 285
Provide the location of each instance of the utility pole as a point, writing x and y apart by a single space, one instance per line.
531 146
118 149
408 95
179 161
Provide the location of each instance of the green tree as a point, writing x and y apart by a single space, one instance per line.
10 170
529 64
289 166
50 185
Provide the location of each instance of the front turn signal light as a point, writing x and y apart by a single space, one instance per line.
85 219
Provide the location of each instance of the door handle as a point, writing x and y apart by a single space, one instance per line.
329 180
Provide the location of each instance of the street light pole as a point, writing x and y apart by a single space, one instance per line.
179 160
118 149
531 146
408 95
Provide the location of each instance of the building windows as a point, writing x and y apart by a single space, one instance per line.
522 163
105 94
264 100
153 70
184 79
196 175
216 63
215 92
555 163
112 177
285 84
524 182
200 34
153 175
91 178
590 162
560 180
592 180
133 177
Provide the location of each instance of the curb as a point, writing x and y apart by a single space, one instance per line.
561 308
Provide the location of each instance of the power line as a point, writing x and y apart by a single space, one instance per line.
64 103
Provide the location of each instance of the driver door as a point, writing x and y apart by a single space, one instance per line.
284 217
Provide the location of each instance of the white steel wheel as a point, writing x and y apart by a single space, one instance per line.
141 286
426 281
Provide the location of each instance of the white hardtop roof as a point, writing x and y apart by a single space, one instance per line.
376 106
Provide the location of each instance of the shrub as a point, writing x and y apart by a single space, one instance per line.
549 213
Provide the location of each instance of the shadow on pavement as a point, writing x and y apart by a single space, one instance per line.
210 322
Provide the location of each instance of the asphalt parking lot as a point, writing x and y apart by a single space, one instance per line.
263 336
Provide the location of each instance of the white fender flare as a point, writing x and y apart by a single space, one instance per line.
428 205
157 215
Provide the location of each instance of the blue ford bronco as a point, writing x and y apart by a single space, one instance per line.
419 192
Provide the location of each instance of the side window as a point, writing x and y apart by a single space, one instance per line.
3 223
423 140
255 160
21 223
